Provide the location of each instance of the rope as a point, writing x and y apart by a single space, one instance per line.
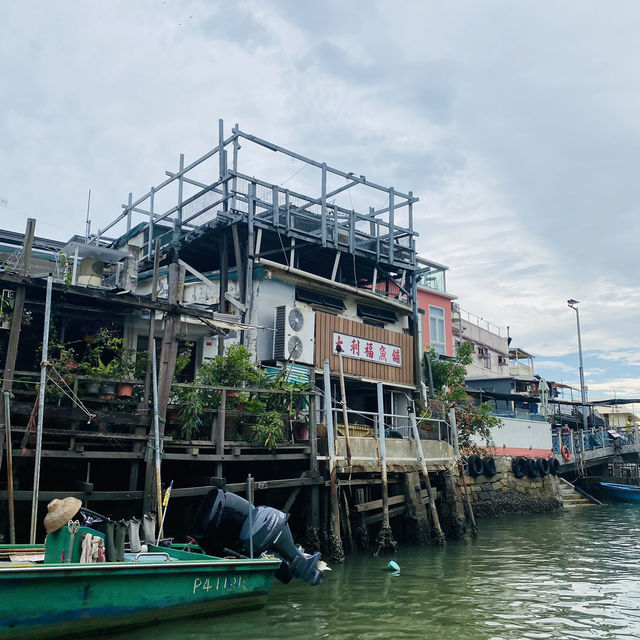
78 403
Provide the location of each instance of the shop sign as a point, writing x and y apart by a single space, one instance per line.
370 350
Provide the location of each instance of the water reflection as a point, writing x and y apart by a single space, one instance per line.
570 575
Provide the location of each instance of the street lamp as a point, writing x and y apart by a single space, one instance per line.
572 304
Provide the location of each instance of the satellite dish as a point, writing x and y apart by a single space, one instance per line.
295 347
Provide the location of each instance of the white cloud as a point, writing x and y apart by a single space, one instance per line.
515 123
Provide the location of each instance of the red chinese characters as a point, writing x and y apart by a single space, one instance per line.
368 350
382 355
355 347
395 356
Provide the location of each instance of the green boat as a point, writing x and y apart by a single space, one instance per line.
65 599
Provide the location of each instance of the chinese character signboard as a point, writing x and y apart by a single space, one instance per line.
369 350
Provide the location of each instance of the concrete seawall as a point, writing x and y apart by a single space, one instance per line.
505 494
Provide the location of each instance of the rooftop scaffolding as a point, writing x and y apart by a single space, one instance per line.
189 205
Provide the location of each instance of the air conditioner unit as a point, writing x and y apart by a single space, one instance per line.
295 334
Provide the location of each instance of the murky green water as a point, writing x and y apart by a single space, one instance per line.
571 575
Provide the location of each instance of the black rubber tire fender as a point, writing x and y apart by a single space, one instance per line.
518 465
474 465
489 466
554 466
543 466
532 468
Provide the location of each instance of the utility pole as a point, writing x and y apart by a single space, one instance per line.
583 392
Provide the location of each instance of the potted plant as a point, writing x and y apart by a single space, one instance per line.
125 371
233 369
102 361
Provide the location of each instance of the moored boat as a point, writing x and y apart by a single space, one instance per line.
65 599
624 492
62 599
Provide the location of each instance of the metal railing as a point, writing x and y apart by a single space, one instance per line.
428 428
590 440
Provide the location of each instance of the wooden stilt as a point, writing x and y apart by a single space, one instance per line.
343 402
16 325
336 551
384 539
438 535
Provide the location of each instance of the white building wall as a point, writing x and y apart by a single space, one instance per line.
515 432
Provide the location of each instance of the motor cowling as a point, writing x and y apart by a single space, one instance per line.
223 522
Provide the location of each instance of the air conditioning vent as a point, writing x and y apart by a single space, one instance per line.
294 335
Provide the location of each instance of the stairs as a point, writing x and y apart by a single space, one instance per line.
570 497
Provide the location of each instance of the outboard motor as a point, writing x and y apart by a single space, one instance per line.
222 522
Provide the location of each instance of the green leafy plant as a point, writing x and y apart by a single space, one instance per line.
253 405
191 408
233 369
473 421
66 266
107 357
63 367
101 359
268 430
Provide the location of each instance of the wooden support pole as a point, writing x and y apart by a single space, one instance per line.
343 402
314 510
438 534
222 413
16 325
466 490
384 539
170 342
152 322
10 500
334 541
41 396
168 353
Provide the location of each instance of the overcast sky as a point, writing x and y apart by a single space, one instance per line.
516 123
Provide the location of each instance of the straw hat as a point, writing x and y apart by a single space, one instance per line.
60 512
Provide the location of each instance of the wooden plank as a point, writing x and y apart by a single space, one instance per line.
70 414
47 496
359 482
89 435
377 517
96 455
377 504
177 492
212 457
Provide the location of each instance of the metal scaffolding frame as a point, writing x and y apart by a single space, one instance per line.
236 196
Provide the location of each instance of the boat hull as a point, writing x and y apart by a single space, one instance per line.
623 492
63 600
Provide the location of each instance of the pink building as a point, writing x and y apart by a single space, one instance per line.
434 304
438 330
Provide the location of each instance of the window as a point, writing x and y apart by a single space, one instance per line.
487 361
321 299
376 314
436 330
